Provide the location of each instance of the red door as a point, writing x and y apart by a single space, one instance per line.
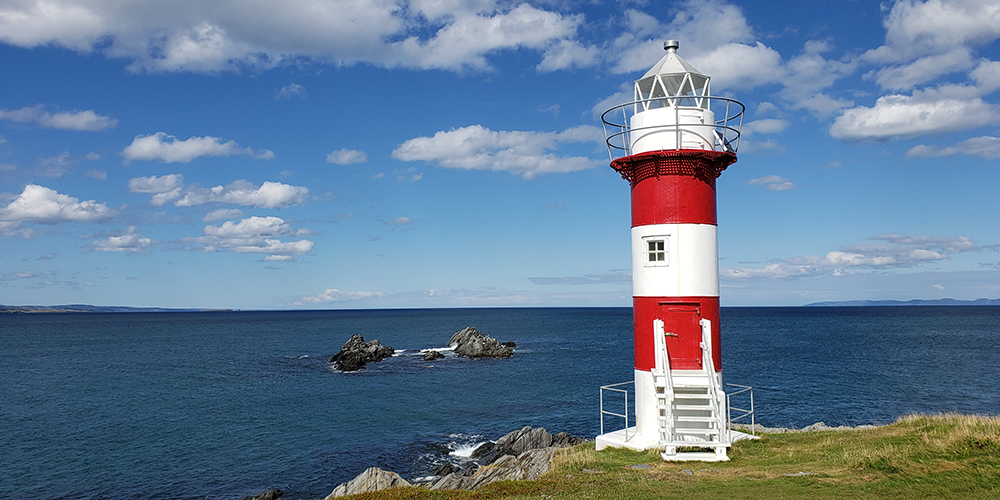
681 323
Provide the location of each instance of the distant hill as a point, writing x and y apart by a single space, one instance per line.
914 302
78 308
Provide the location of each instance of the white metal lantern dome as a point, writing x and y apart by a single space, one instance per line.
673 110
673 82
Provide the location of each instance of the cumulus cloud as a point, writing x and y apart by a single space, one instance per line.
567 54
289 91
46 206
891 251
335 295
900 117
916 29
203 37
164 188
987 147
96 174
168 149
80 120
346 157
130 242
253 235
519 152
267 195
222 213
167 188
772 183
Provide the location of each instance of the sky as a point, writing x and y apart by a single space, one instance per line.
449 153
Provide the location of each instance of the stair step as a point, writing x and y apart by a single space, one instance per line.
695 419
693 407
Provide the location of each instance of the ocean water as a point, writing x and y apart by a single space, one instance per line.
221 405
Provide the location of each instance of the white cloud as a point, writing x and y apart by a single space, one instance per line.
567 54
96 174
46 206
896 251
130 242
346 157
164 188
916 29
987 147
335 295
241 192
923 70
168 149
772 183
899 117
253 235
766 126
190 35
289 91
223 213
254 227
81 120
521 153
399 221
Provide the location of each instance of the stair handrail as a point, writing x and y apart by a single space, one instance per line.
662 365
713 384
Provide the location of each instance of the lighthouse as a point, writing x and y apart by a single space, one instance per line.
671 143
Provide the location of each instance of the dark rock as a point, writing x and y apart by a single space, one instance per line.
470 343
528 465
356 353
518 442
372 479
509 343
267 495
482 450
432 355
563 439
444 469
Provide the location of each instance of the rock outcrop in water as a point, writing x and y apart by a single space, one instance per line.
372 479
470 343
356 353
432 355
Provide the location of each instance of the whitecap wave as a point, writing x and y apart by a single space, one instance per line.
464 450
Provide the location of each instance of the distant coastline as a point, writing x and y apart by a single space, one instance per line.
914 302
84 308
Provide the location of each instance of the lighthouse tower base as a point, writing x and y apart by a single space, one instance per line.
677 411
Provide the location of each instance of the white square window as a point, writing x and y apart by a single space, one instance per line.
655 251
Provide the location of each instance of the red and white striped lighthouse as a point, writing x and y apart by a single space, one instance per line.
671 143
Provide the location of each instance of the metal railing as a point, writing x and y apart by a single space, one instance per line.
614 388
741 413
726 130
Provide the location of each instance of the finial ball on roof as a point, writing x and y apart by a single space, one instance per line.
671 44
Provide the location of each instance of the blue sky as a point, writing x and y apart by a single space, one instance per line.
445 153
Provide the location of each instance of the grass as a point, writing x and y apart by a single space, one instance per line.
918 456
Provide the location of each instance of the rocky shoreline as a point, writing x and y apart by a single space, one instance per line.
524 454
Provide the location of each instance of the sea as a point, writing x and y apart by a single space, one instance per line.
219 405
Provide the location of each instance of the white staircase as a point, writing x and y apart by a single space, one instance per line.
691 404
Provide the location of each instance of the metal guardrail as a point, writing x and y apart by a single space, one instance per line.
726 130
741 413
624 414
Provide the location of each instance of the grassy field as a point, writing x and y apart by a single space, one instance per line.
918 456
